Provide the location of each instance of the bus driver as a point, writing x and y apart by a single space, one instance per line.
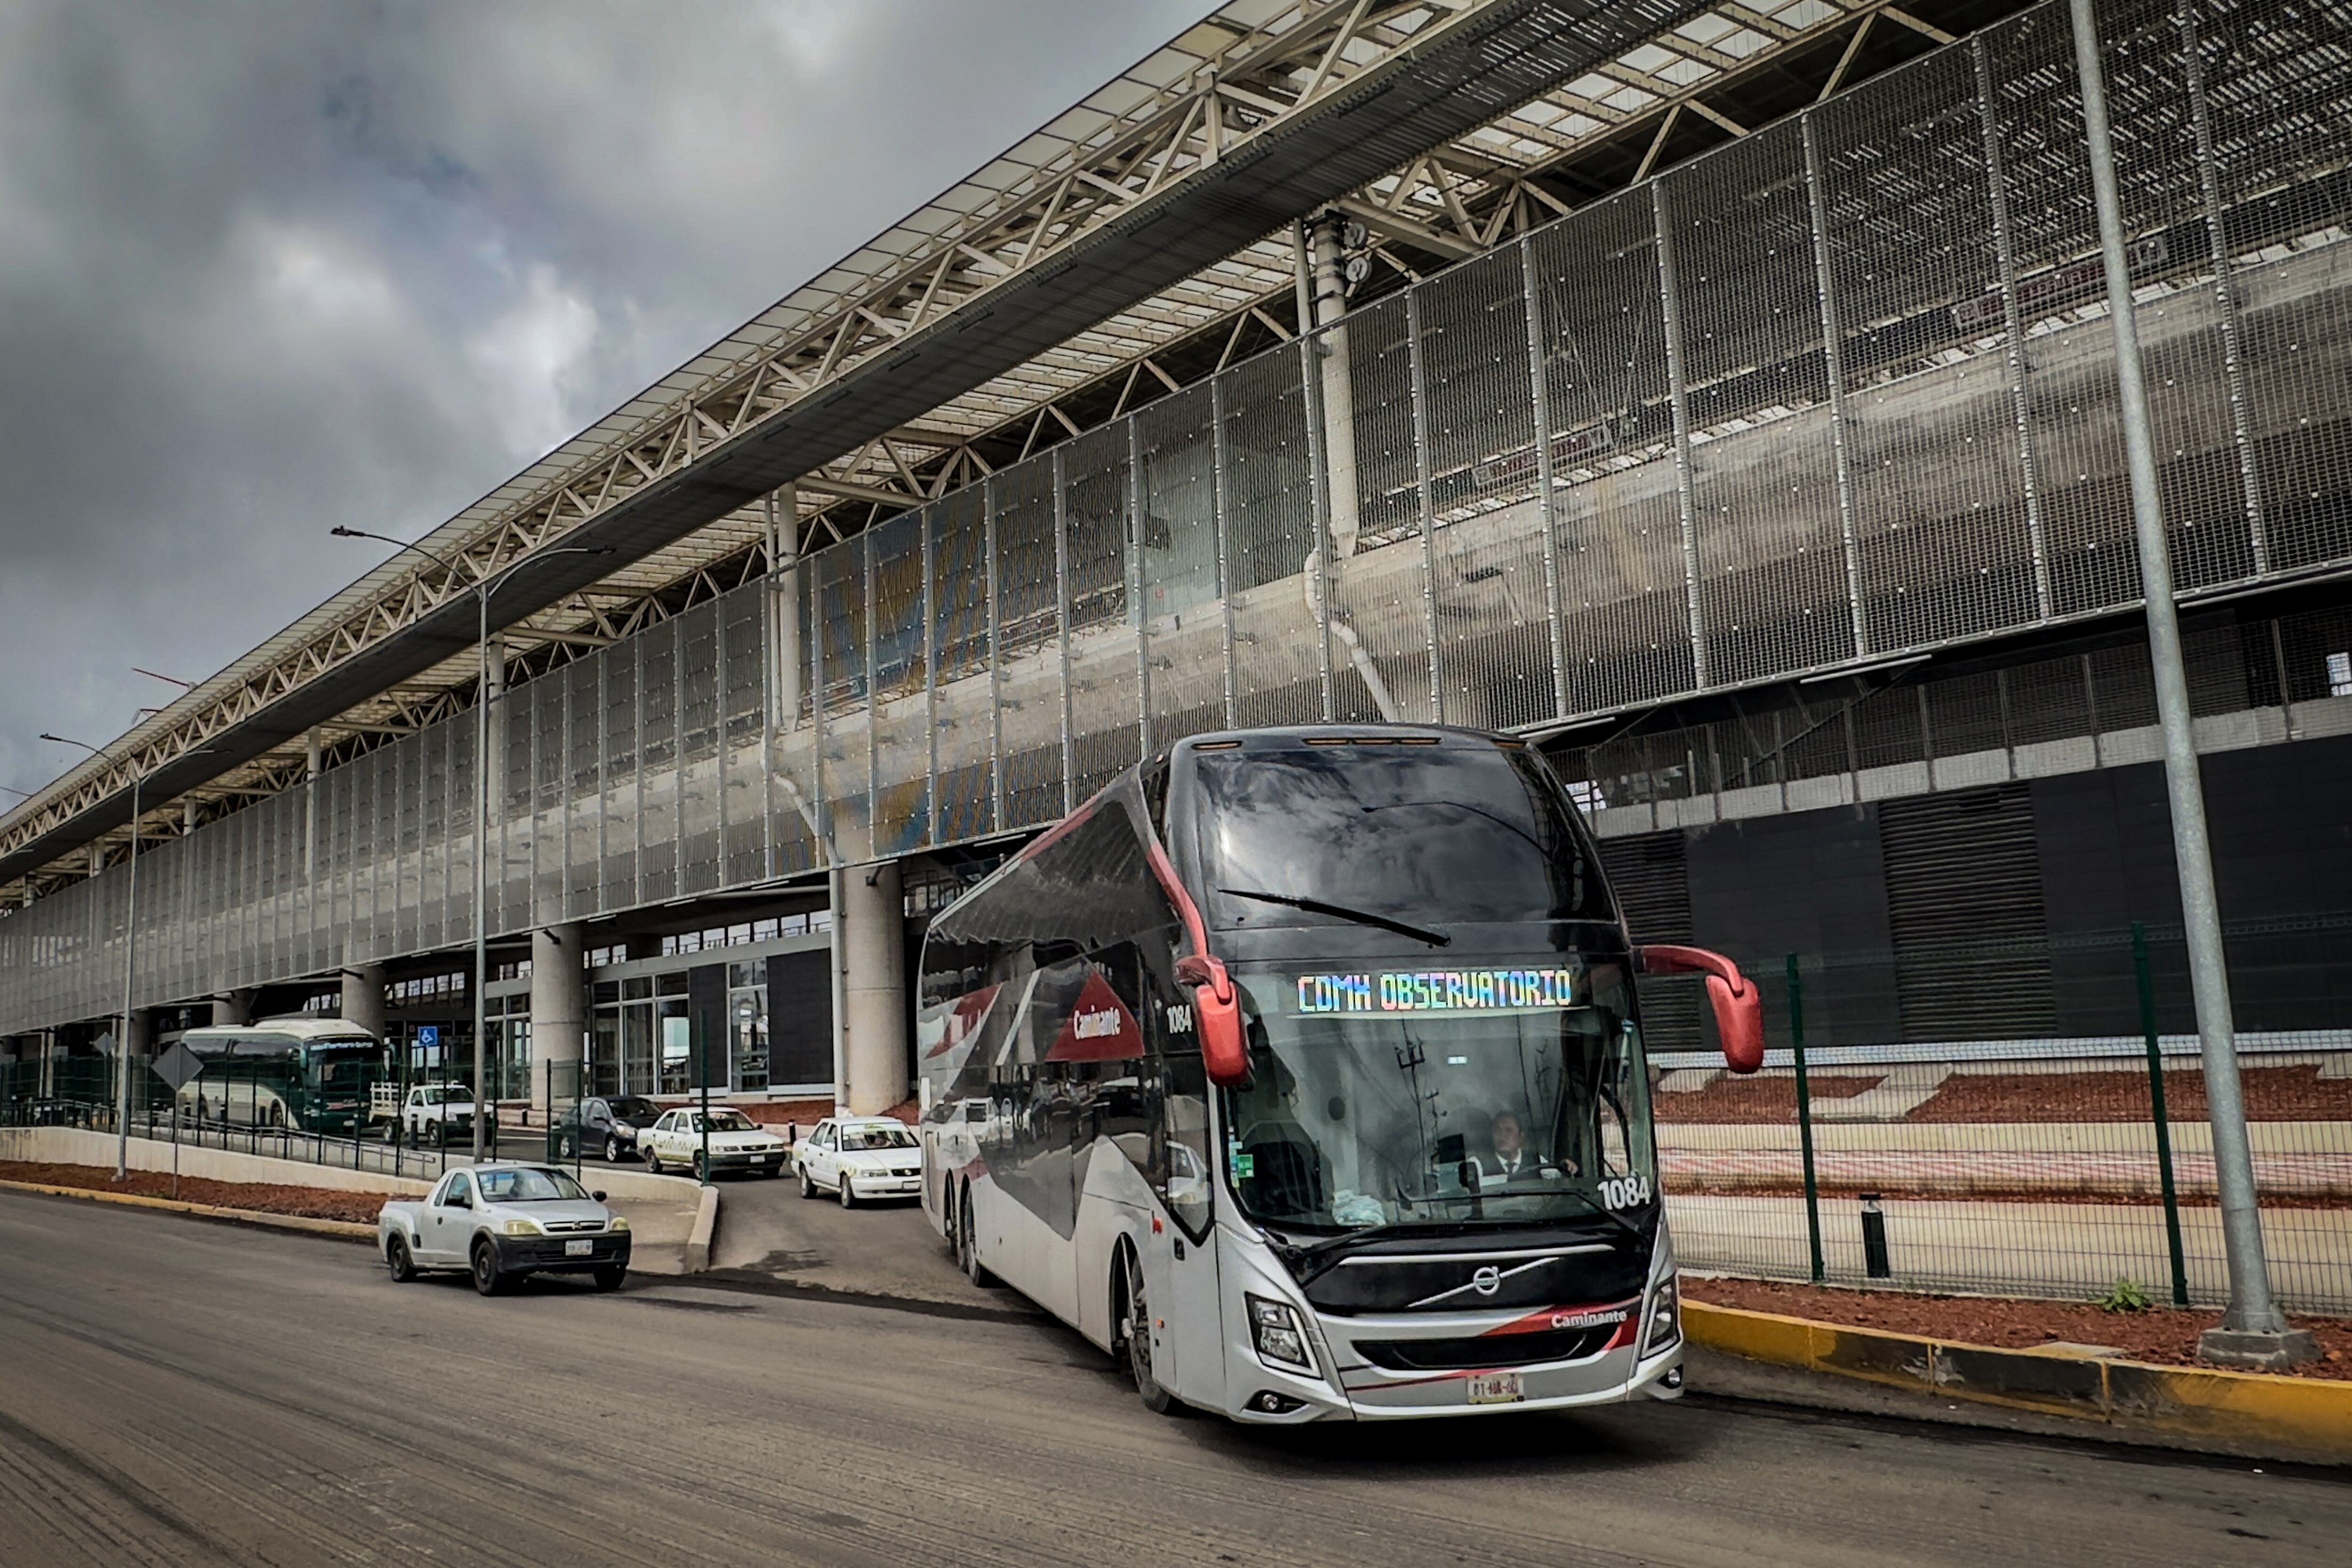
1512 1160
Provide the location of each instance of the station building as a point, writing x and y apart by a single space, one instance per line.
1722 396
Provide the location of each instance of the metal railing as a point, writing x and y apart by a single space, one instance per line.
2060 1147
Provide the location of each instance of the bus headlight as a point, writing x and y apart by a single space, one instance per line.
1665 1318
1274 1328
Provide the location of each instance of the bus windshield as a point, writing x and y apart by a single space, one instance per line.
1387 1097
1429 834
346 1061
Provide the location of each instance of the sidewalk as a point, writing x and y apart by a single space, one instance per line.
1787 1360
2071 1251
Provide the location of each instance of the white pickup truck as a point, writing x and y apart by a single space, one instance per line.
434 1113
501 1221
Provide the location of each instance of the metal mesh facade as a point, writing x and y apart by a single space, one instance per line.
1840 391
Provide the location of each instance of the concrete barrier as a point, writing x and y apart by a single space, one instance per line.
2305 1418
73 1146
705 1236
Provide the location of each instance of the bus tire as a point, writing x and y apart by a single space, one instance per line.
1134 1334
398 1262
968 1243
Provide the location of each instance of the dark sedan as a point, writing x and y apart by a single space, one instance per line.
604 1124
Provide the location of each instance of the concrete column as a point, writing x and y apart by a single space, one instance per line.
559 988
234 1007
1329 303
140 1043
363 998
870 937
188 815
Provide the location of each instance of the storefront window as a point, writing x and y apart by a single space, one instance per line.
638 1074
604 1049
746 1024
676 1033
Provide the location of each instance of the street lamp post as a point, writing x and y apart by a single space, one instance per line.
129 957
130 954
482 589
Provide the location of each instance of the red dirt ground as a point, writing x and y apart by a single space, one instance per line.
2164 1335
309 1203
2272 1094
1751 1101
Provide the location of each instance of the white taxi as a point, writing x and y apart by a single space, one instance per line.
856 1157
736 1143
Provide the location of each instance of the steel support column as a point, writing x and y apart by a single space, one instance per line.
1678 390
2252 1329
2225 284
1425 505
1546 500
2012 322
1833 368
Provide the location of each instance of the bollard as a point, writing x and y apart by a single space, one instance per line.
1873 1239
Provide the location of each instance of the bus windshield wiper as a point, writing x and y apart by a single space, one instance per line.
1306 1256
1340 912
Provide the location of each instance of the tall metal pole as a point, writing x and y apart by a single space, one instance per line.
702 1060
2253 1330
129 947
482 590
122 1041
481 857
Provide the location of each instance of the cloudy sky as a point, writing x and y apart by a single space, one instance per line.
267 267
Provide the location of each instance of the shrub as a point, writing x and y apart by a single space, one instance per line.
2122 1295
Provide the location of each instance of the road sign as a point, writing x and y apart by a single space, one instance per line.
428 1035
104 1044
177 1065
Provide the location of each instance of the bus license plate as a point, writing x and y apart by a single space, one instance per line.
1496 1388
578 1248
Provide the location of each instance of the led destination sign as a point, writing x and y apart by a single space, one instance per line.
1438 991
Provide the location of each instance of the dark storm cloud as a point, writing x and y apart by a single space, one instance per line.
265 269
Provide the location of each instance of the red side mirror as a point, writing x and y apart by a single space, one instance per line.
1222 1046
1217 1015
1739 1006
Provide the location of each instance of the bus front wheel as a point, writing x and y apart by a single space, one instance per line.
1135 1329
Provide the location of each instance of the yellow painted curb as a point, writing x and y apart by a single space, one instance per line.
2303 1416
340 1229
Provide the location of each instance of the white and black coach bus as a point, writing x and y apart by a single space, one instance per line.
1302 1069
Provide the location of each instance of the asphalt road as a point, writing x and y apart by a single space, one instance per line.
769 1234
175 1392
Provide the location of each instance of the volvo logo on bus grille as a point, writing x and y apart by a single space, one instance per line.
1487 1278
